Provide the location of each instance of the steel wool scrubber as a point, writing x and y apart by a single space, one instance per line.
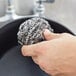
31 31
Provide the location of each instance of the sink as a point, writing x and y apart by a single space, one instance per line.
12 63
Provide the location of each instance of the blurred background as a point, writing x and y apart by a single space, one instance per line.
61 11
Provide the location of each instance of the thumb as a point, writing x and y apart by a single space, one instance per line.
28 50
49 35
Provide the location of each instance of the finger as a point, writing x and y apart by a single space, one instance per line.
66 35
49 35
28 50
35 59
34 49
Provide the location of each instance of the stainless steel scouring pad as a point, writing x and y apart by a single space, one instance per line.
31 31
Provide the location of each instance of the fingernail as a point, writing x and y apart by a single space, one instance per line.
46 31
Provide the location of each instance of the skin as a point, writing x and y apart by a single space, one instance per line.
56 56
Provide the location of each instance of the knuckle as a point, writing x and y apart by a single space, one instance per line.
41 64
66 34
39 51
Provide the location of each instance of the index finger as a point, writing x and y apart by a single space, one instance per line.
34 49
28 50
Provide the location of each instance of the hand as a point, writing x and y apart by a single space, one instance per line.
56 56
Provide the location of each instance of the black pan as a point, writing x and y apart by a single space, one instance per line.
12 63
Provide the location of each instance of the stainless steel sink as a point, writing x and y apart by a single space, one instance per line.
62 11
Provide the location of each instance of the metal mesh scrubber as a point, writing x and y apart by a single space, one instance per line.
30 31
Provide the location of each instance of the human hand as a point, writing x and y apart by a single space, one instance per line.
56 56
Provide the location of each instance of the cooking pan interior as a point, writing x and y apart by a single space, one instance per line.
12 63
